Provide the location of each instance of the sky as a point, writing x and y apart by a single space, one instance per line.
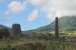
31 14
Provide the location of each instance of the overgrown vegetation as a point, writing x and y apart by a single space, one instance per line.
39 41
65 40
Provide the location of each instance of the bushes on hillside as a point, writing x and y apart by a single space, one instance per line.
4 33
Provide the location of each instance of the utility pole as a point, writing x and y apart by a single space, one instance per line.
56 28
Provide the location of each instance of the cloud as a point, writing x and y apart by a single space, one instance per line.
58 8
63 7
66 7
15 6
52 8
46 5
7 13
37 2
32 16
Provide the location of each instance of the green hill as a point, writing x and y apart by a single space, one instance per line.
66 23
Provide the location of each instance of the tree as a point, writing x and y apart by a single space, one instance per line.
4 32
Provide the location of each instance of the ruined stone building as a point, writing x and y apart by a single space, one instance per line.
6 32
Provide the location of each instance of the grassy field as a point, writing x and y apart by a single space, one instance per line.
35 44
38 42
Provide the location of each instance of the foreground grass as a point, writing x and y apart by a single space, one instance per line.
25 44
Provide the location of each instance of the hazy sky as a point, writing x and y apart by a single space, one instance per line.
32 14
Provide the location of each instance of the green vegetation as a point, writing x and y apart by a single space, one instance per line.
63 38
66 23
39 41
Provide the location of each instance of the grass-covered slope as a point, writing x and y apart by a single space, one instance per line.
66 23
